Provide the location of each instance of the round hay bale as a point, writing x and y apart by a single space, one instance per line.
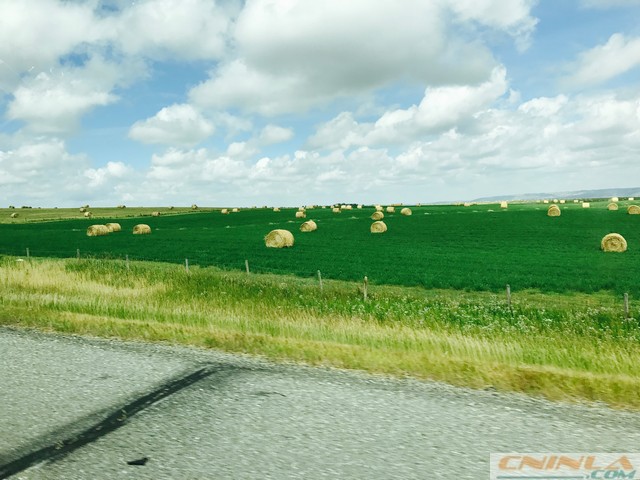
276 209
631 199
391 209
141 229
301 214
279 239
377 216
633 210
308 226
576 201
586 205
194 207
82 209
87 214
378 227
614 199
224 211
122 206
554 211
612 206
14 215
563 201
359 206
504 204
235 210
613 242
155 214
113 227
406 211
555 200
545 201
97 230
301 209
379 208
467 204
336 210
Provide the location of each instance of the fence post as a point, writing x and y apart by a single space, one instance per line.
186 265
28 257
78 253
626 305
509 296
320 279
246 265
364 290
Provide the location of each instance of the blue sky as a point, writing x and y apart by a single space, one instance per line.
292 102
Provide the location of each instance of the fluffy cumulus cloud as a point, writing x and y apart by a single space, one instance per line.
603 62
288 60
173 125
99 177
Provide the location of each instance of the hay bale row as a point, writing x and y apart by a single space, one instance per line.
279 239
554 211
613 242
308 226
378 227
141 229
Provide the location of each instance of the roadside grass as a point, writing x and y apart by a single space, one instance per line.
562 346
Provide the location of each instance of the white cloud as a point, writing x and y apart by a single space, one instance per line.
604 62
159 29
180 125
98 177
274 134
54 102
288 60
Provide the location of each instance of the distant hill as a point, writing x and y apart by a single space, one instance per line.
602 193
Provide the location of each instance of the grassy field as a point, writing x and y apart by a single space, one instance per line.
480 248
566 347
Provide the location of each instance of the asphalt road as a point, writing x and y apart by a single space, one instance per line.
243 418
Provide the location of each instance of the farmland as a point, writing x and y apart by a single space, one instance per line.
479 248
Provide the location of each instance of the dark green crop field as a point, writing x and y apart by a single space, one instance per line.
476 248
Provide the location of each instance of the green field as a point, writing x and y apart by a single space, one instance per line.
481 247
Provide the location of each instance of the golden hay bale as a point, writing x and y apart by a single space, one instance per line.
563 201
391 209
379 208
612 206
633 210
545 201
336 210
14 215
378 227
377 216
235 210
113 227
406 211
279 239
155 214
504 204
631 199
614 199
347 207
359 206
467 204
586 205
97 230
301 209
613 242
194 207
554 211
308 226
301 214
87 214
141 229
224 211
555 200
276 209
82 209
576 201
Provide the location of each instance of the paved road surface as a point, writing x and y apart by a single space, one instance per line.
242 418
